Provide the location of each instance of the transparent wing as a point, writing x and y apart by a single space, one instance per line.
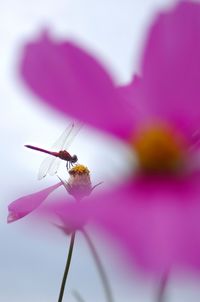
54 166
72 135
51 164
63 138
45 166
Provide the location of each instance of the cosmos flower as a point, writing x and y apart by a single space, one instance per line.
155 215
79 186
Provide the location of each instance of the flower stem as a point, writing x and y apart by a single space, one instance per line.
67 266
102 273
162 288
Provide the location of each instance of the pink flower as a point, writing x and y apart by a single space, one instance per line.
78 185
155 217
27 204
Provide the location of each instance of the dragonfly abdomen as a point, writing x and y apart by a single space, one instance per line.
42 150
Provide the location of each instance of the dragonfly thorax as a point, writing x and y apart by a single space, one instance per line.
63 154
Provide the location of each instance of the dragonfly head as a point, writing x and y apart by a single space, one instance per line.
74 159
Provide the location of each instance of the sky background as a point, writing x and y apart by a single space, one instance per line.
32 261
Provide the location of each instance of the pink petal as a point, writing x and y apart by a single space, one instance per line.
25 205
72 215
155 222
72 81
158 225
171 66
131 93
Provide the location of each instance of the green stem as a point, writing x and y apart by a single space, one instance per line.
102 273
66 271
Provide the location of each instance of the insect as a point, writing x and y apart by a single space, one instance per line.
51 164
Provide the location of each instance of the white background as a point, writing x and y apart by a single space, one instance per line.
31 263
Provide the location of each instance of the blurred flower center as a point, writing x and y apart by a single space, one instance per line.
159 150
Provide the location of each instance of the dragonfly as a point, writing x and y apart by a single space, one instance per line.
50 165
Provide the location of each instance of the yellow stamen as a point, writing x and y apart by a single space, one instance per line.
79 169
159 149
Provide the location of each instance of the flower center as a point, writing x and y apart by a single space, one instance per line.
79 170
159 150
79 183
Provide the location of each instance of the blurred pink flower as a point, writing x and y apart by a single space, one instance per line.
27 204
78 185
156 215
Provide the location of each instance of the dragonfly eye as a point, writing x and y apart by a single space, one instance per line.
74 159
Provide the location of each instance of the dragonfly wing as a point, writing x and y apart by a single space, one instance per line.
50 164
45 166
63 138
72 135
54 167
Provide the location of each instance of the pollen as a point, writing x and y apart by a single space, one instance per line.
79 170
159 149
